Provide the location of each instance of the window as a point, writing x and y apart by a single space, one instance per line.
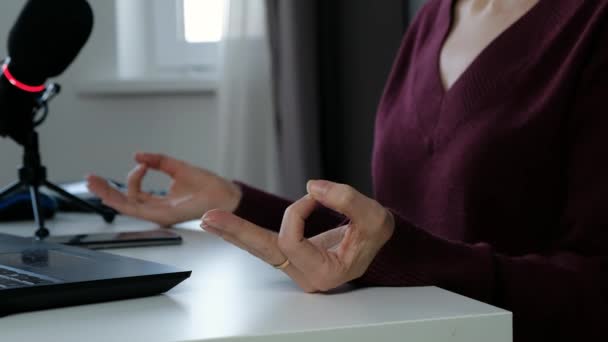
161 46
187 33
207 30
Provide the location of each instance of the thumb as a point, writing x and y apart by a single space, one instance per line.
341 198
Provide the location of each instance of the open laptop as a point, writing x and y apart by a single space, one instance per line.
38 275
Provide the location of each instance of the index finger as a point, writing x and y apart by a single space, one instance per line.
301 252
159 162
109 195
341 198
153 210
134 180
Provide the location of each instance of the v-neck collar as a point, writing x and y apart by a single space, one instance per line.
488 51
484 82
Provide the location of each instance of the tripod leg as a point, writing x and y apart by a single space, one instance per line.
10 189
42 232
107 215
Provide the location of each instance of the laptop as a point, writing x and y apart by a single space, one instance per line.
37 275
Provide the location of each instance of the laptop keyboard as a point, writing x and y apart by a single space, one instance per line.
11 278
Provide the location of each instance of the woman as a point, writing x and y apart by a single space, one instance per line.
490 174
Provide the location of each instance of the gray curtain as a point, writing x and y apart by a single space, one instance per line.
330 61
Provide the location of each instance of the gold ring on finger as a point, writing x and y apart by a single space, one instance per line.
282 265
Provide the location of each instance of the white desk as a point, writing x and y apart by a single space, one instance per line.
232 296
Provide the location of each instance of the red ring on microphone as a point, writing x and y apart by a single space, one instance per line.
20 85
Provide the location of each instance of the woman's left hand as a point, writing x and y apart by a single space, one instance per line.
322 262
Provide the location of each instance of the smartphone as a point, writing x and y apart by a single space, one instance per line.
158 237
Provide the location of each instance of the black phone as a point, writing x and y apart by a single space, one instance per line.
156 237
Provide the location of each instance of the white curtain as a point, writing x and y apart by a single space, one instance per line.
247 129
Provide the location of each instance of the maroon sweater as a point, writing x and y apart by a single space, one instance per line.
499 185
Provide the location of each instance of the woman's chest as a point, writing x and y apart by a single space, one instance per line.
474 26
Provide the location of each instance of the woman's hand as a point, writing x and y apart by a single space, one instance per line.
193 191
325 261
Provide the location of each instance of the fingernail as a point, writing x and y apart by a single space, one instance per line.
317 187
208 225
210 229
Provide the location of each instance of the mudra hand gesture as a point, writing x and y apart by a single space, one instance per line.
193 191
322 262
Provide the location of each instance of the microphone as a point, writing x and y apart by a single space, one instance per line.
43 42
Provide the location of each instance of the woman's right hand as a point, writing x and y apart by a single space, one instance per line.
192 193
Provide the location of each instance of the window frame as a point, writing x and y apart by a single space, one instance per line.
171 50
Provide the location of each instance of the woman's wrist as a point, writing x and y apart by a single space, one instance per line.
234 198
388 228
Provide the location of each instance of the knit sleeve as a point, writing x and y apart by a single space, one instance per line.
565 287
556 294
266 210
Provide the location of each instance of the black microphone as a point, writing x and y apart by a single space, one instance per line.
43 42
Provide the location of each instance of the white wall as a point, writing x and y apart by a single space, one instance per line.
100 133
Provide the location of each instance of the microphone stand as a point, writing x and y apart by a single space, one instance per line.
32 175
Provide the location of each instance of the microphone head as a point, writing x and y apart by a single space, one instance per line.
47 37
